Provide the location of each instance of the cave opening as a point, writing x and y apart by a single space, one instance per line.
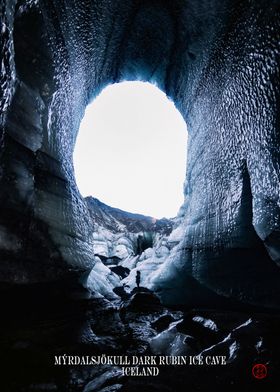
130 151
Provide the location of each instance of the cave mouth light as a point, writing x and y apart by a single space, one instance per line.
130 152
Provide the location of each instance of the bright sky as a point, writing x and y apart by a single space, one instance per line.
131 150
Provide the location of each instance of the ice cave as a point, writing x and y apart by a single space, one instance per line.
67 261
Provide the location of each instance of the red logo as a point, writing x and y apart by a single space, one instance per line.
259 371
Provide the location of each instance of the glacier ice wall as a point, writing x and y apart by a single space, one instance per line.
218 60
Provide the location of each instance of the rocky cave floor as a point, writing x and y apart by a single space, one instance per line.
31 337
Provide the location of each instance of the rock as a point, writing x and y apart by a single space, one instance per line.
121 271
207 323
122 292
163 322
108 324
112 388
203 329
142 301
171 342
244 343
109 376
140 289
50 387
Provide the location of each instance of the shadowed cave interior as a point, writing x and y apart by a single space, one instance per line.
209 277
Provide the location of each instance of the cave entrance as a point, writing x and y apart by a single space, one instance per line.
130 151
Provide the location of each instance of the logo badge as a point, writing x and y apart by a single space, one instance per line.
259 371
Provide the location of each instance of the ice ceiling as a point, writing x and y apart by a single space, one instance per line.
131 150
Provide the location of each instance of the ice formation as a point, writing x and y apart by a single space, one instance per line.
218 61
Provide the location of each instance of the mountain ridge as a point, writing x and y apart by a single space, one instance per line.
117 220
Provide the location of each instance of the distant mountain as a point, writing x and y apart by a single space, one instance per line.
119 221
